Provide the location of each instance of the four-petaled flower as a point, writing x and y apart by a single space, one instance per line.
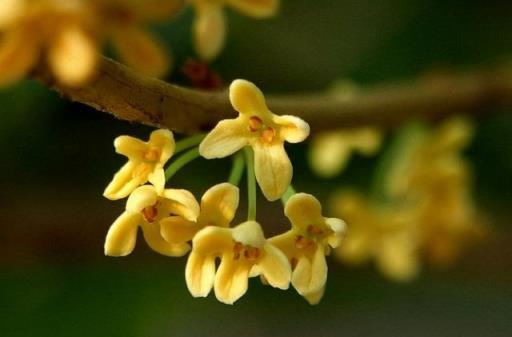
145 163
307 243
146 208
244 253
210 26
265 132
218 208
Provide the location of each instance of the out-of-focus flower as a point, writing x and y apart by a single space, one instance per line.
210 26
330 151
146 208
146 162
387 235
63 30
199 75
218 208
265 132
307 243
244 253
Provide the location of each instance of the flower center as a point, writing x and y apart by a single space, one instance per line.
267 133
150 213
142 170
251 254
152 154
302 242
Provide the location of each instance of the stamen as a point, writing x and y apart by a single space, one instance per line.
153 154
252 253
255 123
315 230
268 135
150 213
302 242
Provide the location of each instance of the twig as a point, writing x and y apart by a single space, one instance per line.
126 95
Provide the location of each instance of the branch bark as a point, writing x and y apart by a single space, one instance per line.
129 96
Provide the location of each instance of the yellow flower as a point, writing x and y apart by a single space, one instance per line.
387 235
265 132
210 26
218 208
145 163
330 151
62 29
244 253
307 243
146 208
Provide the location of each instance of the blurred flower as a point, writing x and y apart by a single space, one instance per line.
265 132
145 163
330 151
307 244
210 26
146 208
218 208
199 75
244 253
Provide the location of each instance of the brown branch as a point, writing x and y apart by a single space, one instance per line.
136 98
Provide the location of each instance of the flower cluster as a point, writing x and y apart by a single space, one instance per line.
174 223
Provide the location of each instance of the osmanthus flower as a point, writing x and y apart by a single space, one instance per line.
210 26
243 251
330 152
265 132
62 31
146 208
218 208
388 235
307 243
146 162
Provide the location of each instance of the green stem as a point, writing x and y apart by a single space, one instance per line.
288 194
188 142
238 169
183 160
251 184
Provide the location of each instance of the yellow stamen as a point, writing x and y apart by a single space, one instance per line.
302 242
150 213
268 135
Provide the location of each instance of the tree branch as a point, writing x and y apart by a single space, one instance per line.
129 96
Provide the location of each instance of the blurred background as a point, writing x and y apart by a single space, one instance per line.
57 157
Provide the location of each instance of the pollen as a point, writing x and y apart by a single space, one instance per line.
249 253
150 213
255 123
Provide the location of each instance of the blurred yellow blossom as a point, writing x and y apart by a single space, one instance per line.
307 243
146 162
330 152
244 253
146 208
265 132
218 208
210 26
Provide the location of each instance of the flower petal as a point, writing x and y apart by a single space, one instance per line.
212 240
122 235
357 247
231 280
219 205
310 274
157 179
200 274
249 233
123 182
182 203
293 129
286 243
329 154
338 227
247 99
315 297
163 139
19 51
141 198
130 147
275 267
156 242
209 29
10 11
73 56
226 138
397 259
141 51
273 169
256 8
303 209
176 229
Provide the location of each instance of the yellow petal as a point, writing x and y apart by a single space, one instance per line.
200 274
212 240
329 154
10 11
273 169
226 138
163 139
130 147
256 8
286 243
219 204
275 267
122 235
293 129
247 99
398 260
156 242
157 179
338 227
249 233
303 209
141 198
183 203
139 50
19 51
310 274
73 56
123 183
357 247
315 297
209 29
176 229
231 280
